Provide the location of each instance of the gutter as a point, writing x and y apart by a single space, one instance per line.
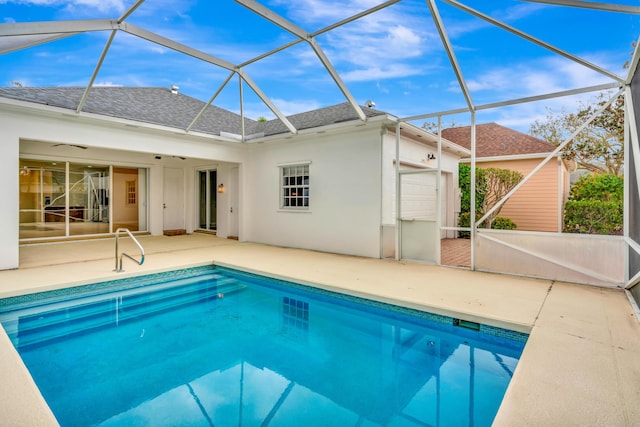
510 157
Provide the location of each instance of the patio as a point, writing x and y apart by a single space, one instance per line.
581 364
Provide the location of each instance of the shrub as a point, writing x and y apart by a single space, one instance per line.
595 205
603 187
498 183
593 217
464 182
499 223
463 221
502 223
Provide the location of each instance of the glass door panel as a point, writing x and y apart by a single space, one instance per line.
207 199
212 190
42 199
202 199
88 199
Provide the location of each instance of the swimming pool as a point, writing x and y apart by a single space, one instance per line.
215 346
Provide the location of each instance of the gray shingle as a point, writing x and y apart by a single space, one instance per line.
322 117
150 105
159 106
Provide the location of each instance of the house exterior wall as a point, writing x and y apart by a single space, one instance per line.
344 189
9 194
535 206
349 179
33 133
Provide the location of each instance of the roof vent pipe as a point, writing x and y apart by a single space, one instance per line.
174 89
369 103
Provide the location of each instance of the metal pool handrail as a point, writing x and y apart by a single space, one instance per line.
118 268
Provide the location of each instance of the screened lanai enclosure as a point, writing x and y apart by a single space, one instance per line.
353 52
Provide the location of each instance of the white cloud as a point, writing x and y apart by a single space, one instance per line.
531 78
321 11
385 71
545 75
366 48
107 84
509 15
254 110
294 107
77 5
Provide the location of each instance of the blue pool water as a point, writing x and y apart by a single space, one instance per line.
214 346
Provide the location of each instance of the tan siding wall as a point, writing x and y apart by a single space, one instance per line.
534 207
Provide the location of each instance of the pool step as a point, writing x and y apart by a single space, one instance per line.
118 307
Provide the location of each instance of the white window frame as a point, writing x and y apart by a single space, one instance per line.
293 179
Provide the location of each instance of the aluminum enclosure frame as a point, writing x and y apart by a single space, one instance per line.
18 36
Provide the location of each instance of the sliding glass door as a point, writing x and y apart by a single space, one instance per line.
88 199
65 199
42 199
207 198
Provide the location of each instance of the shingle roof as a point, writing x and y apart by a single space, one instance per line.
324 116
494 140
144 104
159 106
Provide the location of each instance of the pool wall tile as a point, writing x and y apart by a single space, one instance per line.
141 281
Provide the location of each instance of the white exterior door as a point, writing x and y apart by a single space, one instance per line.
419 235
173 194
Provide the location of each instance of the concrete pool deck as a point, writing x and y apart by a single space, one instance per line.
580 366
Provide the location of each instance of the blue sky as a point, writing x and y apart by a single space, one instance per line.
394 56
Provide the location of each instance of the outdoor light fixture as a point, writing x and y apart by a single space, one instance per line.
221 188
431 156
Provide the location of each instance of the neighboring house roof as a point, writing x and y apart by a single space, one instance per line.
493 140
160 106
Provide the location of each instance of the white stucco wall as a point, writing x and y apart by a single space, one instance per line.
345 182
9 195
33 134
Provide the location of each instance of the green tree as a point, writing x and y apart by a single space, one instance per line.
602 187
464 182
595 205
599 147
492 184
498 182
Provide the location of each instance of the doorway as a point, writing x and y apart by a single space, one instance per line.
234 203
207 200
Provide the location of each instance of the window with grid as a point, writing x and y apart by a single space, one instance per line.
295 187
131 192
